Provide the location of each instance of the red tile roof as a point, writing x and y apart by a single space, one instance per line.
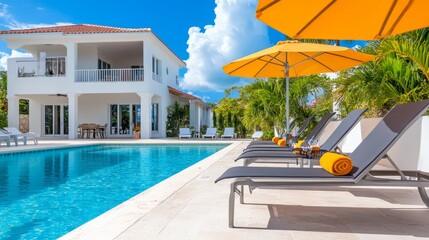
76 29
182 94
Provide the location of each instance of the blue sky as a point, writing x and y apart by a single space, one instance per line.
206 34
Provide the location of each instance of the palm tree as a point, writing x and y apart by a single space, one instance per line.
399 75
265 101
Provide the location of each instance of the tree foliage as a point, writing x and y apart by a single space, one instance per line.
177 117
261 105
398 75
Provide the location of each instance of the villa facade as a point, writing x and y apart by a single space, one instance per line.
95 74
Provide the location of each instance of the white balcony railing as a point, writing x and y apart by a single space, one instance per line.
50 67
110 75
157 77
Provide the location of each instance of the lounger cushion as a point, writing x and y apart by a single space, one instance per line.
275 139
336 164
282 142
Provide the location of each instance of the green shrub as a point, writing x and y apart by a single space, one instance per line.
3 119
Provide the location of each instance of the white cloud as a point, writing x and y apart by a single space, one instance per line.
235 33
40 8
4 56
8 20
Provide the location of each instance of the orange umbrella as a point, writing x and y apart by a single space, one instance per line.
292 59
343 19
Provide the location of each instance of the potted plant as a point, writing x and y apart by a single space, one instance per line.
136 130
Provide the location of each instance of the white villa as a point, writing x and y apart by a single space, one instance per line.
78 74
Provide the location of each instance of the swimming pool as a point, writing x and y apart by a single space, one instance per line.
45 194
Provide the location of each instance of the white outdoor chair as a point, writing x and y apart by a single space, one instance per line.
16 134
257 135
185 133
210 133
228 133
5 137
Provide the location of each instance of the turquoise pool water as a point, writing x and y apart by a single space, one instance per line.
45 194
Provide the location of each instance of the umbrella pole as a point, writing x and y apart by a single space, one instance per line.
287 97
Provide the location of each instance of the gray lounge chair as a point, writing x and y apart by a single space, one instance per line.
312 136
304 126
331 144
373 148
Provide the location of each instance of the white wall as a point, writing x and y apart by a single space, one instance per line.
94 108
87 56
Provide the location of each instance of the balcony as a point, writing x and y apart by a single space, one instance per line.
110 75
50 67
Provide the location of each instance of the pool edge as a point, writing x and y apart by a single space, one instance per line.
112 223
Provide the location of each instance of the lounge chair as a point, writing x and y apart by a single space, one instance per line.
257 135
5 137
185 133
304 126
228 133
369 152
26 136
210 133
331 143
311 137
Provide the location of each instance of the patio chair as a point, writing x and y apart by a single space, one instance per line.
210 133
369 152
304 126
5 137
313 136
257 135
228 133
185 133
331 144
16 135
29 135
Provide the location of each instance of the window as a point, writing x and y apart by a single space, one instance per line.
156 69
155 117
166 71
177 81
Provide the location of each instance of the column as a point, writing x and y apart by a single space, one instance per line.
35 116
145 116
147 61
210 116
71 60
13 111
73 114
199 113
192 114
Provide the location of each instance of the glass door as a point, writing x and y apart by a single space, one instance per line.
56 120
120 119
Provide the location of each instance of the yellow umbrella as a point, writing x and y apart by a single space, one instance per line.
293 59
343 19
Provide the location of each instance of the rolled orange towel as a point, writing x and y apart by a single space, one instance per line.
282 142
275 139
336 164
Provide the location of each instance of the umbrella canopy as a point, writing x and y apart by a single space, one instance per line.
343 19
293 59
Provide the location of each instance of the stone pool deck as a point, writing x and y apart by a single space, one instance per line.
191 206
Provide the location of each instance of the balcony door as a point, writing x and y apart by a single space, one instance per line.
56 120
